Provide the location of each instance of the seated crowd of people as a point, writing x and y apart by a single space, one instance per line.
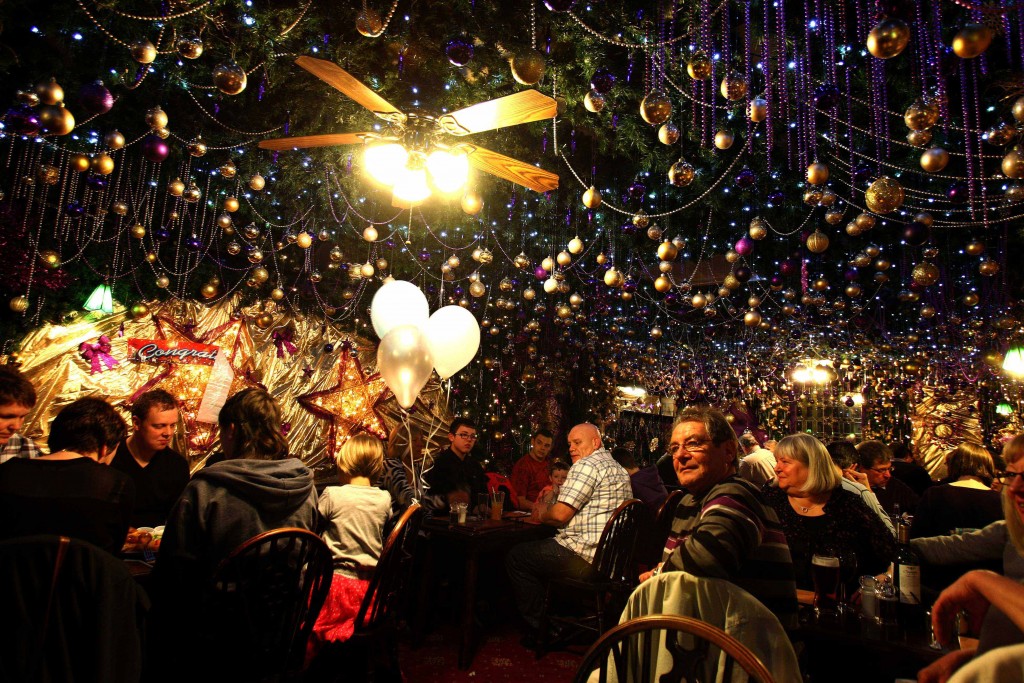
752 512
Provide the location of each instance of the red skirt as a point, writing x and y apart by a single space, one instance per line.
338 616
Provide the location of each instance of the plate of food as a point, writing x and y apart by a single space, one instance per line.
142 539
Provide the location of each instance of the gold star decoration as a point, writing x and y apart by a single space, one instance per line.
352 405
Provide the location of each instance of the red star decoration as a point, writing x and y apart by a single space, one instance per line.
351 405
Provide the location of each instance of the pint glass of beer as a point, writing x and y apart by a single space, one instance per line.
825 574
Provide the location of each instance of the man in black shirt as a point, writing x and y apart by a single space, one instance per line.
874 459
455 476
907 470
160 473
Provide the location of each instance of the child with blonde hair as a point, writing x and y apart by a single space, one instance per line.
354 514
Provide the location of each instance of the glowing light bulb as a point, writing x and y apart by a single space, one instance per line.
411 185
449 171
1013 362
383 161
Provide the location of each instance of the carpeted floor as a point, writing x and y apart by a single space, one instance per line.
499 658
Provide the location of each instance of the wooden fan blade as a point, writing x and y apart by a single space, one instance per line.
511 110
307 141
513 170
336 77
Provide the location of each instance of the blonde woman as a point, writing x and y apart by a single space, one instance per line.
354 513
967 502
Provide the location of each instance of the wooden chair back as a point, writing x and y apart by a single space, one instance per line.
614 559
668 649
392 573
265 597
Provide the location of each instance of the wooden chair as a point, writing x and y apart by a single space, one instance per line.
71 611
616 575
371 654
263 601
668 649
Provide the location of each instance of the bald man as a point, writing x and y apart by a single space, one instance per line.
595 487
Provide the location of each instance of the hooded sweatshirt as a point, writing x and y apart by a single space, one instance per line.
228 503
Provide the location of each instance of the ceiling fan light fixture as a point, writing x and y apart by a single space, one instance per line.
448 170
411 185
383 161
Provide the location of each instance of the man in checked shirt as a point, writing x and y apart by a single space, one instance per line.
595 487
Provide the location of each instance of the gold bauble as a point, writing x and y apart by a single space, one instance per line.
260 274
176 187
921 115
757 110
641 219
591 198
1013 163
924 218
189 46
885 195
192 194
681 173
143 51
529 294
369 23
304 240
367 270
163 282
264 321
656 108
527 66
612 277
477 289
667 251
119 208
992 358
370 233
594 102
224 221
547 264
208 291
732 256
1014 193
228 169
551 285
751 318
27 97
156 118
925 274
601 259
854 291
919 138
854 230
49 92
257 182
138 310
151 257
1000 134
102 164
55 119
734 87
138 231
656 333
668 134
988 267
882 264
820 285
1018 109
254 256
575 245
114 140
888 38
817 173
864 221
971 299
699 301
817 242
729 283
231 204
472 202
758 229
972 40
50 259
975 248
724 139
812 196
662 284
48 175
699 67
563 258
80 163
934 160
197 147
833 217
229 78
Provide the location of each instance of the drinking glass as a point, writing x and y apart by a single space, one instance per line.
825 574
497 504
847 575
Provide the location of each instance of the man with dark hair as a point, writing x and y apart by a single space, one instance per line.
17 398
906 468
530 473
722 528
646 482
874 459
160 473
844 455
455 475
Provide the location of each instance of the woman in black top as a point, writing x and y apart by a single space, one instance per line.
967 502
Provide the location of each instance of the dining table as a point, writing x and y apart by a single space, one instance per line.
471 540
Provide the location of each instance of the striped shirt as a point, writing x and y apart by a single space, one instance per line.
729 533
595 487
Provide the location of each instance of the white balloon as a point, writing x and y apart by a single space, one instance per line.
453 335
405 363
398 303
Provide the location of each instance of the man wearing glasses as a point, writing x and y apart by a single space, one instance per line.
874 460
456 477
722 529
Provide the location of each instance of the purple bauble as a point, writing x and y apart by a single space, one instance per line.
744 246
540 273
776 282
861 173
95 98
777 197
193 243
602 81
789 267
161 234
96 182
850 275
958 192
559 5
457 291
22 119
629 285
74 209
826 96
745 178
155 148
628 228
637 190
459 51
671 299
644 310
328 348
915 234
424 256
742 273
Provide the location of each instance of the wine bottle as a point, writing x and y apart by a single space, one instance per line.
906 574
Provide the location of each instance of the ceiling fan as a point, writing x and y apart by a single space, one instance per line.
417 145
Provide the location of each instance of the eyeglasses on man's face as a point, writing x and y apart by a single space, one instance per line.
881 470
1007 478
468 436
690 446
